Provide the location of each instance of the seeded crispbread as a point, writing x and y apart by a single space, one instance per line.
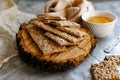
106 70
46 45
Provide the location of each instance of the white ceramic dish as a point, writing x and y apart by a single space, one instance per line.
99 29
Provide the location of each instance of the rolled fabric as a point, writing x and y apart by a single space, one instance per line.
70 9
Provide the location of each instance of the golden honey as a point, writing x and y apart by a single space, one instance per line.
98 19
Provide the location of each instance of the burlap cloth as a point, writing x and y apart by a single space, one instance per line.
70 9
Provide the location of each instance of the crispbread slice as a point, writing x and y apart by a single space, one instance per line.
105 70
114 58
72 31
42 18
57 32
59 40
45 45
63 23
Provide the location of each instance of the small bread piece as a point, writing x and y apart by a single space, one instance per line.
55 31
114 58
63 23
45 45
42 18
105 70
72 31
59 40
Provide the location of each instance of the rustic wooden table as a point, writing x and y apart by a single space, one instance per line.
18 70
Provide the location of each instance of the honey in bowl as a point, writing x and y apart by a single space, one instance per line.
99 19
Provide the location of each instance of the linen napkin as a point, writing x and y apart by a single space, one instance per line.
10 19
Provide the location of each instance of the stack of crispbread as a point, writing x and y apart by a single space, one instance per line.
53 43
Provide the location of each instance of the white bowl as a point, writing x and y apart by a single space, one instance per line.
99 29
